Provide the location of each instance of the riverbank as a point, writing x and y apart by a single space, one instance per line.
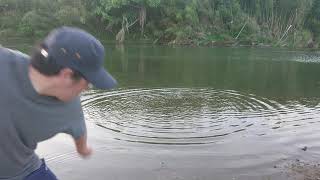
26 44
194 23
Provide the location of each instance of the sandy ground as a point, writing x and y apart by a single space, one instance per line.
299 170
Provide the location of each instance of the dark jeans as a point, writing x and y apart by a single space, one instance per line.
43 173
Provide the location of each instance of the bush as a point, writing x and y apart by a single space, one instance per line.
34 23
301 38
30 23
9 20
69 16
4 33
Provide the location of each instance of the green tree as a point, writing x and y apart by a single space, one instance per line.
196 22
313 19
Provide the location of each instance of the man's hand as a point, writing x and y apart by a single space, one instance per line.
86 152
82 148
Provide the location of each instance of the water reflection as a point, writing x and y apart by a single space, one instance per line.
283 75
204 95
182 116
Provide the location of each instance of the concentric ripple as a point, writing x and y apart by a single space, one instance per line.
181 116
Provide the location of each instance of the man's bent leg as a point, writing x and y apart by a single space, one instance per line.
43 173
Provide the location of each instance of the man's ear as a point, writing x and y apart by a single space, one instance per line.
65 76
66 73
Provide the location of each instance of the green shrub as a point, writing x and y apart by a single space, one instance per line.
69 16
34 23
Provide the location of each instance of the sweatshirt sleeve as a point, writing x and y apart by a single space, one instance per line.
77 126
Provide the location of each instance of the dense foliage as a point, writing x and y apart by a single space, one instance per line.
294 23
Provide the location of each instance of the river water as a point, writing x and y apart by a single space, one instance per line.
187 96
228 112
198 113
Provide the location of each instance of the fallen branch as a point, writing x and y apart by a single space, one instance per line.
241 30
132 23
284 34
120 37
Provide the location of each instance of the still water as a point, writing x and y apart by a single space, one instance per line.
199 113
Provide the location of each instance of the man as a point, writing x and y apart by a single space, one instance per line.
39 98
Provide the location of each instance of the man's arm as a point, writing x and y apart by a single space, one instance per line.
82 147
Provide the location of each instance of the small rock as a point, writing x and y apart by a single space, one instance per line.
162 164
304 148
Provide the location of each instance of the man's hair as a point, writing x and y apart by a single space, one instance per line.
46 65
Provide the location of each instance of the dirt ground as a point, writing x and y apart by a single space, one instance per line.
299 170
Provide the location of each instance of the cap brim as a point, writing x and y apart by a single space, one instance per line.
101 79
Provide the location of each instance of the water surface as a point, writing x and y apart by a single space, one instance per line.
243 110
199 95
199 113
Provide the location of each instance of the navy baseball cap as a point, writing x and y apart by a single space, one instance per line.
80 51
